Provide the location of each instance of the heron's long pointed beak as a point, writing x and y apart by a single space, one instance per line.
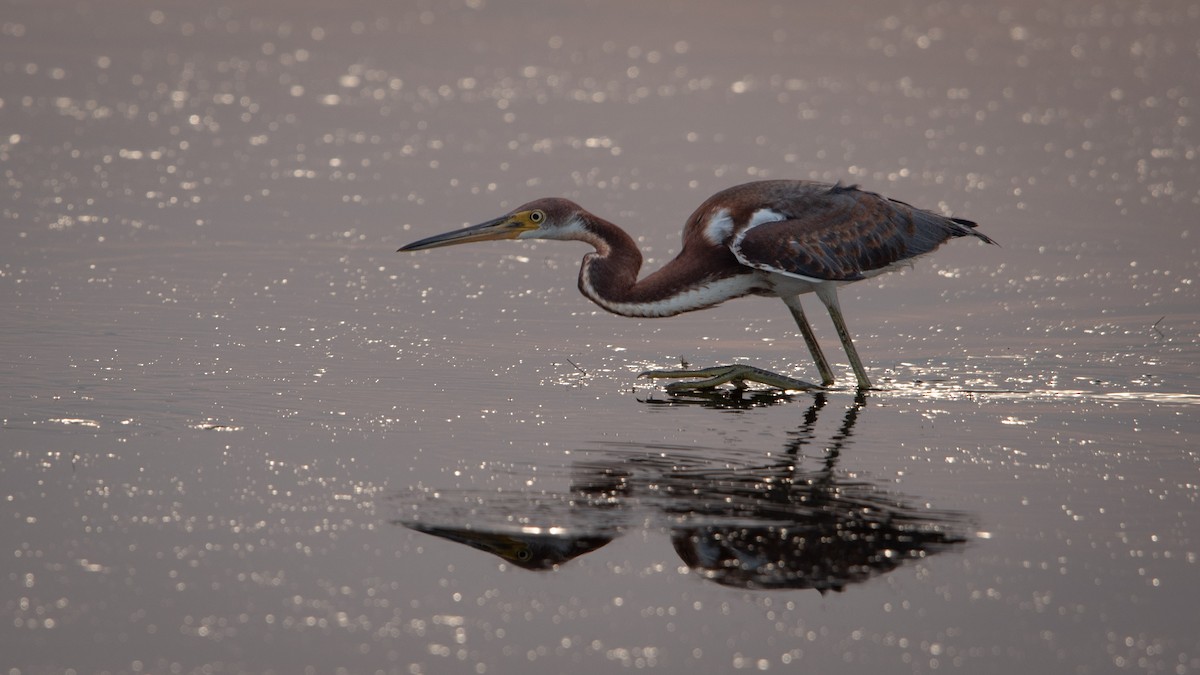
504 227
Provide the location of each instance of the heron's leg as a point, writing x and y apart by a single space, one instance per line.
736 374
810 338
828 295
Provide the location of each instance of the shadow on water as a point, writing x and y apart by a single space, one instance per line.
744 519
722 398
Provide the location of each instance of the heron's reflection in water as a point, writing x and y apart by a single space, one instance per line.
744 519
534 531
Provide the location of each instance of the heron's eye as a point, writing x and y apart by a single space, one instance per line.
536 216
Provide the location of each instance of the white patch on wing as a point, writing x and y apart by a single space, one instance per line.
719 227
700 297
764 216
760 217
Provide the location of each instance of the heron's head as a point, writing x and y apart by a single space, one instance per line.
549 218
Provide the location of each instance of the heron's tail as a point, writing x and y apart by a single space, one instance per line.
968 229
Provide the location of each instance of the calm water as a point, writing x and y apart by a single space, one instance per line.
242 434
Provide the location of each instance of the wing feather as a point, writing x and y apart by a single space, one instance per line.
841 233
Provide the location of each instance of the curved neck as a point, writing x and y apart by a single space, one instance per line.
695 279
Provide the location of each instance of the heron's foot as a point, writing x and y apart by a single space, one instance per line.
737 375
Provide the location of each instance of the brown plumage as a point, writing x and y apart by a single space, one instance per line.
779 238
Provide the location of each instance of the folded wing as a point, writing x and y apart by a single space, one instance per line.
841 233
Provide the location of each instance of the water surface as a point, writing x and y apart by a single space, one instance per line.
242 434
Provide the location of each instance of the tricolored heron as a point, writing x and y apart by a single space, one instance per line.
779 238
